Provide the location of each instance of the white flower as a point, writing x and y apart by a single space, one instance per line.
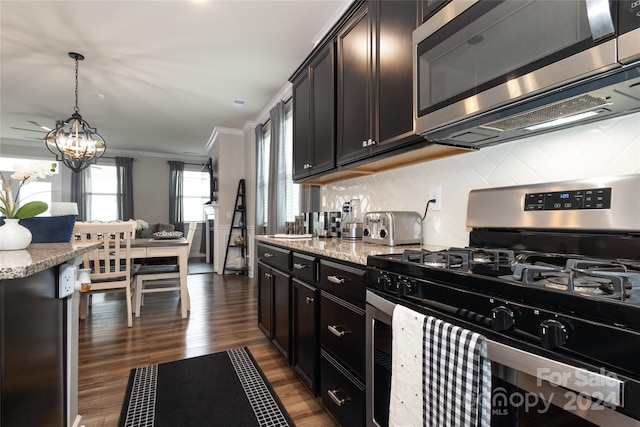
33 171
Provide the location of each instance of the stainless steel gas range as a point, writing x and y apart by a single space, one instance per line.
551 278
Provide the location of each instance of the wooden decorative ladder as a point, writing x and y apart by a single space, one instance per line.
237 241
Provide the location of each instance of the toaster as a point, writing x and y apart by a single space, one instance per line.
392 228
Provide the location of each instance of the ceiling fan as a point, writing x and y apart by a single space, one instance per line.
42 128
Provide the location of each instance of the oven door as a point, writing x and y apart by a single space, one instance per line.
474 56
522 392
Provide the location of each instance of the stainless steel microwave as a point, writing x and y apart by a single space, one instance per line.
490 71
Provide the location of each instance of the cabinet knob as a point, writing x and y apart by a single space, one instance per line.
372 142
309 300
269 255
338 400
267 275
364 144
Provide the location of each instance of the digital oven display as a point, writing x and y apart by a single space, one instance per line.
599 198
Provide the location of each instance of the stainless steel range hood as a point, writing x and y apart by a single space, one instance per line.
614 93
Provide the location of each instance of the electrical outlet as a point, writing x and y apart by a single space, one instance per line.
435 193
66 280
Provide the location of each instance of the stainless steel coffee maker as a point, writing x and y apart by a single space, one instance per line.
351 220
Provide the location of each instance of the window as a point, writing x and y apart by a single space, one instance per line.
103 193
41 190
195 194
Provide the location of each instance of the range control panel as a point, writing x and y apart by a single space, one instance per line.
598 198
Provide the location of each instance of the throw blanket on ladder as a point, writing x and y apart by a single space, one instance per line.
440 373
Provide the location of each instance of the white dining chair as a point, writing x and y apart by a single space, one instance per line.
160 278
110 264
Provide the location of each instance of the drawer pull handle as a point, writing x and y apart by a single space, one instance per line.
337 330
299 266
337 280
269 255
333 394
309 300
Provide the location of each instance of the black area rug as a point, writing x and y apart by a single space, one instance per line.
220 389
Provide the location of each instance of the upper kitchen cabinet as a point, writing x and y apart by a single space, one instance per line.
374 80
313 116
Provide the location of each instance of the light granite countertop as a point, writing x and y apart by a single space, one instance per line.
355 252
38 257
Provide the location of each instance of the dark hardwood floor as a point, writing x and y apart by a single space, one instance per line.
223 316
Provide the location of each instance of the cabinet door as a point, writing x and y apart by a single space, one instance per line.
305 333
282 313
265 292
323 108
301 126
395 22
354 87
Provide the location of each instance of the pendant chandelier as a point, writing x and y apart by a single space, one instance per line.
73 141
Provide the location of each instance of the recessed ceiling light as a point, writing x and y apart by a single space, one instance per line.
239 103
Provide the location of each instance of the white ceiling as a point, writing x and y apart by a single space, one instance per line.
158 76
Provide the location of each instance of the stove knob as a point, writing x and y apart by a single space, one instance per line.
383 233
384 283
502 318
366 232
553 333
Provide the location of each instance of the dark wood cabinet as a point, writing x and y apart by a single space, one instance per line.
282 313
304 320
265 298
342 394
313 116
274 297
429 7
342 340
374 80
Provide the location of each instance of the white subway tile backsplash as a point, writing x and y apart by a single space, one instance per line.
609 147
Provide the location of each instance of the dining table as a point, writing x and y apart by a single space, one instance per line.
160 248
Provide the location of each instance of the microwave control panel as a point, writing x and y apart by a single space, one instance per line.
598 198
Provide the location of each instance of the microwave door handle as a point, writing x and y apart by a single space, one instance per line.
600 19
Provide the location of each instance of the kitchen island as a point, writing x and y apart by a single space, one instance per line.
38 337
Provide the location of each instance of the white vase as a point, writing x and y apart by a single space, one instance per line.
14 236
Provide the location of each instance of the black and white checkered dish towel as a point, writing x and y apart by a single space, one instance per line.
440 373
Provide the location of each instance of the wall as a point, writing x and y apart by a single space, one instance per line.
610 147
228 147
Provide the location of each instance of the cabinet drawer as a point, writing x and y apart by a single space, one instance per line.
343 281
342 395
305 267
275 257
342 331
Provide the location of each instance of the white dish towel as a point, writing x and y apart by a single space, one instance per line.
440 374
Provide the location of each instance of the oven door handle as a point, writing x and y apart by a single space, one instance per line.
603 387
